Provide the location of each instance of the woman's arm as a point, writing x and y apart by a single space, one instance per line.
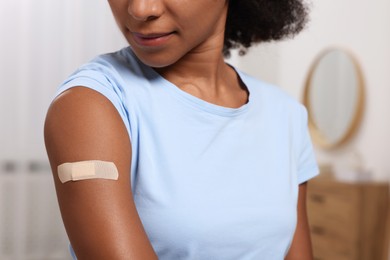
100 216
301 246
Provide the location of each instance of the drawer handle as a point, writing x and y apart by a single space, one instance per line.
317 198
317 230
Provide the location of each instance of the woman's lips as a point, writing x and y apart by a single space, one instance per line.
151 40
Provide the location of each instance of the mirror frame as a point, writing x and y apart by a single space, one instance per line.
318 138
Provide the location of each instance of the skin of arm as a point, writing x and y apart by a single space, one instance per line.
99 215
301 248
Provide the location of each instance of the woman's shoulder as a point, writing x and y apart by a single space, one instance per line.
112 74
115 64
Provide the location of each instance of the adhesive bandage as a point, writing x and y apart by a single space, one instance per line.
85 170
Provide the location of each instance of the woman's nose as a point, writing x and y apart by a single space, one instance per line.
145 10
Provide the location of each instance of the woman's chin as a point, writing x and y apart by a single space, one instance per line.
156 59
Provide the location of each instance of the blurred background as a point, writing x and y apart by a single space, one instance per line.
43 41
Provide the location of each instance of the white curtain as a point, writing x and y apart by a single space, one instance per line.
41 43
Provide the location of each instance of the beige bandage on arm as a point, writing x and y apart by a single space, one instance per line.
85 170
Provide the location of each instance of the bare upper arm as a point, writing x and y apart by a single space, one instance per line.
301 245
99 215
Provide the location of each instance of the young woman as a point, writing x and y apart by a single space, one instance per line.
212 163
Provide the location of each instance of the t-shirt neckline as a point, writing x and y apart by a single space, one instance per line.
200 103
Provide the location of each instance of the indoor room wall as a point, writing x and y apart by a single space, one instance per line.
362 27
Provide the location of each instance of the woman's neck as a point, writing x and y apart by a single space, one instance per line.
203 73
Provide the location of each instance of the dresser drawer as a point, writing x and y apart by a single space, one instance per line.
325 249
347 221
330 237
334 216
339 207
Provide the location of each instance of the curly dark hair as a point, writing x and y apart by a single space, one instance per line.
254 21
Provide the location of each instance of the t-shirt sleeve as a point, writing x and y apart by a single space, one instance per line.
100 81
307 164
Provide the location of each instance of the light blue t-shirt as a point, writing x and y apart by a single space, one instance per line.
209 182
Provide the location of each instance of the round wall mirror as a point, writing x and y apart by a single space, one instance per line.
334 95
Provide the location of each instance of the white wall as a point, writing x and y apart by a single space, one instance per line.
363 27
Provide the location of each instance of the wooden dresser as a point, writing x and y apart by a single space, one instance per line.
348 221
